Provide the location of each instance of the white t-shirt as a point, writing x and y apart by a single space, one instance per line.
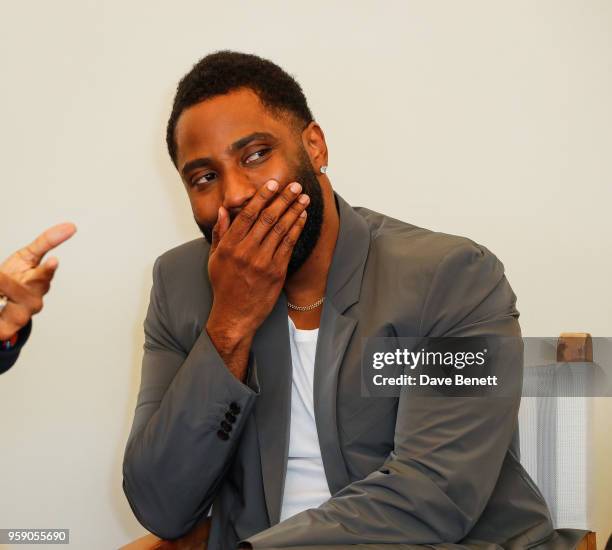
305 483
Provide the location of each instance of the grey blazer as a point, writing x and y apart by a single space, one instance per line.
401 471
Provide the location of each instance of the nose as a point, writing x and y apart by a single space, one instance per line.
237 191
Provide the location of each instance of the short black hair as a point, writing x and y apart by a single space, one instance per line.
224 71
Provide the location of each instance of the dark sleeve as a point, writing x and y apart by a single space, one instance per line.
175 457
8 357
448 451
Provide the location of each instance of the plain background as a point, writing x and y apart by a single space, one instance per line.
486 119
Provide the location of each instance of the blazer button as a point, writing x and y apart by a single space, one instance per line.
222 435
226 426
230 417
234 407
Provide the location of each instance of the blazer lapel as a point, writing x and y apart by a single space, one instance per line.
274 370
338 330
335 331
273 408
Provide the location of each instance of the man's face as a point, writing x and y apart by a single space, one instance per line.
230 145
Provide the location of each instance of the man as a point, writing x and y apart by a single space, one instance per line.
24 281
250 396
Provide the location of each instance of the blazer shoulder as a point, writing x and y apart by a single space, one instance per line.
398 241
180 275
184 258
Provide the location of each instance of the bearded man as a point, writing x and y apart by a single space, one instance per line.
250 399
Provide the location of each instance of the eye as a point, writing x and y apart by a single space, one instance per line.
257 154
202 179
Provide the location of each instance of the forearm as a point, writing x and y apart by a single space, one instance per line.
175 457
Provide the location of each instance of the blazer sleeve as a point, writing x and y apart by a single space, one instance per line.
448 451
9 357
176 454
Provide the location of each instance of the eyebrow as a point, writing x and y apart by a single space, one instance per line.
236 146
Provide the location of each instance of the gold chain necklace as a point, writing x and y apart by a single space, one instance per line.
307 308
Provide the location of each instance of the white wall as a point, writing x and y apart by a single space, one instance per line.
486 119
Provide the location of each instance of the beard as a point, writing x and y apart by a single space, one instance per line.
305 175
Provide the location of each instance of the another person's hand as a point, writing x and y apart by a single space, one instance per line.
24 280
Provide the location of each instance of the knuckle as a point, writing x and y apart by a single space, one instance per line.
275 274
279 228
24 317
20 318
240 258
260 268
246 215
27 254
37 305
221 252
267 218
264 193
289 241
287 199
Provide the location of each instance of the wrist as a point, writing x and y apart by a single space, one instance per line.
227 338
9 342
233 346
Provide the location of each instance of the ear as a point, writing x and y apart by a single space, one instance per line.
313 140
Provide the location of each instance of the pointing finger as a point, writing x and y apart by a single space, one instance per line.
47 240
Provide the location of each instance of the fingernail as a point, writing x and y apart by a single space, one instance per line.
58 233
295 187
272 185
304 199
303 214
